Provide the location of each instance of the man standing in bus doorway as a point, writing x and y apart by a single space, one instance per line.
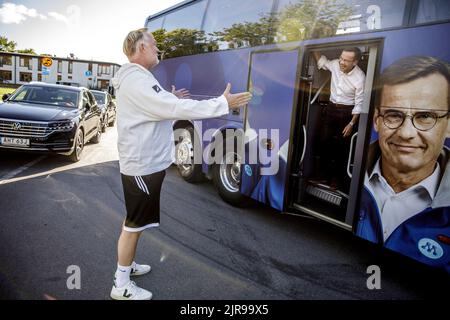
145 141
406 199
341 114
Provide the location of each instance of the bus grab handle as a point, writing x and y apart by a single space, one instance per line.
304 145
350 154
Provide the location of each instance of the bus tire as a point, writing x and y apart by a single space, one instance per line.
184 155
227 179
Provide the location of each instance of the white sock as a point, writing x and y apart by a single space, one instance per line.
122 275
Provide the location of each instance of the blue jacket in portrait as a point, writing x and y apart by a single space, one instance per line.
423 237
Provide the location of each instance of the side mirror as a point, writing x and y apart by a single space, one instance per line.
6 96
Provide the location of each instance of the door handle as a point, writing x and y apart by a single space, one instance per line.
350 154
304 145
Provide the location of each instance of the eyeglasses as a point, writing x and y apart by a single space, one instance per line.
422 120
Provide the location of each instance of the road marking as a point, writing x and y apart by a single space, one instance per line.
16 172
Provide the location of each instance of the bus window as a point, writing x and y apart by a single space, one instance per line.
155 24
181 34
305 19
189 17
433 10
237 23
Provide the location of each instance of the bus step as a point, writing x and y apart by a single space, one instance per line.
325 195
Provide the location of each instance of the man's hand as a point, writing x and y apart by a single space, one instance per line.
182 93
347 130
236 100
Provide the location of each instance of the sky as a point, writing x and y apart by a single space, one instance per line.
90 29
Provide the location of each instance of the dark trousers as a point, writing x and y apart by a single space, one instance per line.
334 146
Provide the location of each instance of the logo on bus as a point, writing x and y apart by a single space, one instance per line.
430 248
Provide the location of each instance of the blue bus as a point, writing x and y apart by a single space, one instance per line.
279 155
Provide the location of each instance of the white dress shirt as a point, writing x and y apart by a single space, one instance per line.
396 208
346 88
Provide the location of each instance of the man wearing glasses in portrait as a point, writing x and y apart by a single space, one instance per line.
405 204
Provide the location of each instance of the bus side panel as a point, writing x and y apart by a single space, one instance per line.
206 75
272 81
424 235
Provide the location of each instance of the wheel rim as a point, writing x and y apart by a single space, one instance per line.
79 144
230 172
185 153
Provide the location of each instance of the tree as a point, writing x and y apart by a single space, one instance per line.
182 42
6 45
311 19
248 33
28 51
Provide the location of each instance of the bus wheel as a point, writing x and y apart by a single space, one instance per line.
184 155
227 179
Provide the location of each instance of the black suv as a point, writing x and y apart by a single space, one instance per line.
44 117
107 107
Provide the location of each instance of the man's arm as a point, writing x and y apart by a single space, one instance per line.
359 99
162 105
322 61
316 55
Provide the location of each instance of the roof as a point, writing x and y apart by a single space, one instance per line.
57 58
97 91
44 84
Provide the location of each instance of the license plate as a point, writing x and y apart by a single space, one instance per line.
20 142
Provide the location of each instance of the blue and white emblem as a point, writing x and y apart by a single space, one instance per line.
430 248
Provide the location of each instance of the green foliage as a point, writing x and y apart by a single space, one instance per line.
311 19
6 45
181 42
248 33
303 19
28 51
10 46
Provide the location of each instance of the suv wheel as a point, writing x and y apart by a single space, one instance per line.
75 156
98 135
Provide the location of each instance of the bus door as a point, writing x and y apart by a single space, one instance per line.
272 81
326 168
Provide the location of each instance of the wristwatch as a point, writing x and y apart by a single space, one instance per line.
352 123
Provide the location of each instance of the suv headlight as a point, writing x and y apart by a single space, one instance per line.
62 125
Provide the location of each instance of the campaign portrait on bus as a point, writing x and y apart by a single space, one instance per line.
405 203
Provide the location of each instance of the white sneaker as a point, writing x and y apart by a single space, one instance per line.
130 292
140 269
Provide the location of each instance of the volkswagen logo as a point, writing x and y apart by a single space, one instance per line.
16 126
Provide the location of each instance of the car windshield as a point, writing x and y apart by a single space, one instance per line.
100 97
46 95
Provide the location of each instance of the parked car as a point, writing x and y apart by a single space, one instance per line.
40 117
107 107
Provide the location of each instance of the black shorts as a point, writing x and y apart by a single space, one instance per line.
142 195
